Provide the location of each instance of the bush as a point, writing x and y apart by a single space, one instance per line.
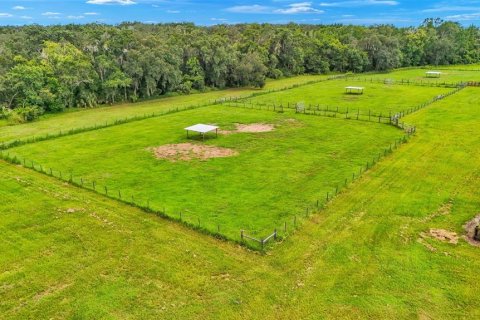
25 114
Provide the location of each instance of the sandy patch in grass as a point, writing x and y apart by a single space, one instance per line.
444 235
190 151
249 128
470 229
438 234
255 127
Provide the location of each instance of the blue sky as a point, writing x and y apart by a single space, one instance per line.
208 12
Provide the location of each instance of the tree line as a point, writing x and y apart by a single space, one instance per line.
51 68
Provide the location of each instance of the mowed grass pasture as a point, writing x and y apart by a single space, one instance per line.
449 75
275 176
70 253
378 98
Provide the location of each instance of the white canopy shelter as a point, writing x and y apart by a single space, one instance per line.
202 129
433 74
354 90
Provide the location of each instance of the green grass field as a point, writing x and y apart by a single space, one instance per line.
70 253
377 98
275 175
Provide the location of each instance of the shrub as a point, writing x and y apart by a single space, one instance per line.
25 114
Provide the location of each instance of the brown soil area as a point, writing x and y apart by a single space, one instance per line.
470 229
190 151
249 128
254 127
444 235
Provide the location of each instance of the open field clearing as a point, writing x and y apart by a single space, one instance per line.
53 123
450 75
267 178
69 253
377 98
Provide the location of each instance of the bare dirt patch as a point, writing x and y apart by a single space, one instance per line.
255 127
470 229
190 151
249 128
444 235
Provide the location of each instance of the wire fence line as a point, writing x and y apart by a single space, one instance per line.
420 83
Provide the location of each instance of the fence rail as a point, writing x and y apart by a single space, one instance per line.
262 242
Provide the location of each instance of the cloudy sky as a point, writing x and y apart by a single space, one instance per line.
208 12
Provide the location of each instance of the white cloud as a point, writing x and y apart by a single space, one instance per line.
75 17
250 9
5 15
120 2
464 17
219 19
51 14
294 8
19 8
302 7
26 17
359 3
173 11
450 9
91 14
